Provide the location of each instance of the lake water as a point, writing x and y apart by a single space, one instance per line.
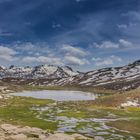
58 95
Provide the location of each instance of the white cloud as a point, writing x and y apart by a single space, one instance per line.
72 60
25 47
42 59
66 55
107 61
106 45
49 60
33 48
6 51
132 32
126 26
29 59
54 25
67 60
70 50
124 43
40 53
111 45
122 26
7 54
74 56
134 15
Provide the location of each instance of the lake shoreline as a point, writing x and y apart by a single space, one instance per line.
60 95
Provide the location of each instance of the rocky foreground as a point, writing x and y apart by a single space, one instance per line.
11 132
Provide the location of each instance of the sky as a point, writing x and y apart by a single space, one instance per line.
83 34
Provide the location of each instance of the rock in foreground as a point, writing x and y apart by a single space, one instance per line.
11 132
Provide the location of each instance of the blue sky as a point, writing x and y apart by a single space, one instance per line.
84 34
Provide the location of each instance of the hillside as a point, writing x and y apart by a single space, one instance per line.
118 78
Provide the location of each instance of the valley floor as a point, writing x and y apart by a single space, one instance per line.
105 118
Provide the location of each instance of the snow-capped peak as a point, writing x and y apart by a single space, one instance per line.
41 71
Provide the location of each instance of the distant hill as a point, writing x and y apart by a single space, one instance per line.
118 78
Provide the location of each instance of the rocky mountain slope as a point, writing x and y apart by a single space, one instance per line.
42 71
120 78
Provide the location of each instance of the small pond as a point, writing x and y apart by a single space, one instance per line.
58 95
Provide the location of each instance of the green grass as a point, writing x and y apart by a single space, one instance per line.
129 125
132 124
17 111
75 114
34 88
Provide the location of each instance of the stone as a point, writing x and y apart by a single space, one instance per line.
18 137
60 136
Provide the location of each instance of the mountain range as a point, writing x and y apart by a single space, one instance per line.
118 78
